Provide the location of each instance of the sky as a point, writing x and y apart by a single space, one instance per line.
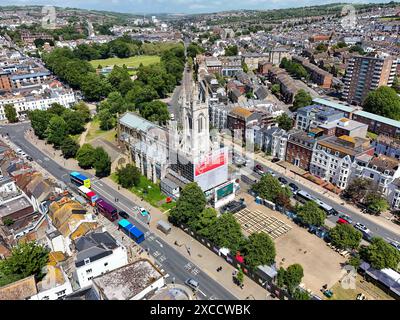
177 6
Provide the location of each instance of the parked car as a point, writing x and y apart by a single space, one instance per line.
233 207
293 187
29 158
282 180
275 160
123 214
395 244
271 172
259 169
361 227
346 217
192 283
239 161
342 221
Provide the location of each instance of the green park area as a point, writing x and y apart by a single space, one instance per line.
129 62
95 132
150 192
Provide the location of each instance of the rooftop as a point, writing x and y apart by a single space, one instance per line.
375 117
384 163
335 105
19 290
128 281
134 121
14 205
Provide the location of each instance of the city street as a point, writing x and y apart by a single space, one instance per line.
168 258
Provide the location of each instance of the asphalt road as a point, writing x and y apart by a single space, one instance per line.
375 228
172 261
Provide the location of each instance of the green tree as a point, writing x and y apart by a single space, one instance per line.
56 109
11 113
269 188
284 122
301 99
74 120
311 214
203 223
260 250
155 111
396 84
291 277
355 261
190 204
240 276
128 176
357 189
39 121
380 254
107 120
56 131
231 50
344 236
376 203
26 259
69 147
85 156
383 101
299 294
101 163
275 89
193 50
82 108
118 75
245 67
226 233
8 222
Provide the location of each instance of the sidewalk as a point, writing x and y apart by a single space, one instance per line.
206 260
381 220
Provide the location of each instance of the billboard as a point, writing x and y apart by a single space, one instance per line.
224 190
211 170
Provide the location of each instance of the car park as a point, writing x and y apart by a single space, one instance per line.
192 284
123 214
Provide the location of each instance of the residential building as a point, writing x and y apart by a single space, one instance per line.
252 59
387 146
333 157
5 81
344 127
378 124
321 77
299 149
231 66
136 281
275 55
365 74
97 253
219 115
273 141
315 115
239 119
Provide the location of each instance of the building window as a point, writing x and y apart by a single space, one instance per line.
371 175
60 293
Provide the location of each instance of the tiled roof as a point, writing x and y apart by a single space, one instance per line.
19 290
241 112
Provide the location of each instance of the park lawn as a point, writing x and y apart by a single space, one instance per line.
95 132
371 291
129 62
154 196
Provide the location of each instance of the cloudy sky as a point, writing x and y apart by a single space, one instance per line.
175 6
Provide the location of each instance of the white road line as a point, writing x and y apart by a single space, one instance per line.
159 243
202 292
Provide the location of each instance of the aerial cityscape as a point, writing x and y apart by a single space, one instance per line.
180 152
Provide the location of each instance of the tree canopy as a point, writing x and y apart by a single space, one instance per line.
85 156
383 101
311 214
11 113
260 250
291 277
190 204
128 176
56 131
381 254
301 99
284 122
26 259
101 162
345 236
69 147
269 188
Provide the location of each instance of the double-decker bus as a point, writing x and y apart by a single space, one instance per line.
88 194
131 231
304 197
107 209
79 179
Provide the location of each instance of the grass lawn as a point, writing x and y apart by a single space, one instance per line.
154 196
96 132
371 291
129 62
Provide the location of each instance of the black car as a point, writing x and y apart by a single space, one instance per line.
123 214
275 160
282 180
293 187
233 207
29 158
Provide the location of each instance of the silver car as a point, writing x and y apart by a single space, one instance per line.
361 227
192 283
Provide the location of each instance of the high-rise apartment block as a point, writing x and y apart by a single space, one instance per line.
364 74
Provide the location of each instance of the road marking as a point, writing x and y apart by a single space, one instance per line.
151 238
147 234
162 258
213 298
202 292
188 266
195 271
159 243
156 254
